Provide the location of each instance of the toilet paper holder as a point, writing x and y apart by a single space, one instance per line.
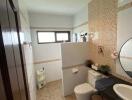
75 70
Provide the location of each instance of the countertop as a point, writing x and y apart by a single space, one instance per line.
109 92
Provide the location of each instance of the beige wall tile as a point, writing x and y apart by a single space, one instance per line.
103 19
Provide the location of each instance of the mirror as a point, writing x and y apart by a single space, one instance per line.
125 57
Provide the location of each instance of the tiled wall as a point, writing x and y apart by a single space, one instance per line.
102 16
27 49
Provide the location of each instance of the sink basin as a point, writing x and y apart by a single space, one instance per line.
123 91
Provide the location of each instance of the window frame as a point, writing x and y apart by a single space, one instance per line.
55 33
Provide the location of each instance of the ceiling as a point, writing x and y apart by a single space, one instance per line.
68 7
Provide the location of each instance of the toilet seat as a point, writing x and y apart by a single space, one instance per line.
84 89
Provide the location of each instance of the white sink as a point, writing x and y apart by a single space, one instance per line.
123 91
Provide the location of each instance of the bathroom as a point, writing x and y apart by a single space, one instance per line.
91 20
67 45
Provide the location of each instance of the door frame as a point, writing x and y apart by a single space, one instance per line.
3 62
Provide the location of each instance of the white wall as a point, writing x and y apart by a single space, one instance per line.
81 16
71 80
80 22
44 52
124 32
50 20
24 20
27 48
73 54
126 51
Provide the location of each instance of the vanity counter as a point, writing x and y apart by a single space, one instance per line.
109 92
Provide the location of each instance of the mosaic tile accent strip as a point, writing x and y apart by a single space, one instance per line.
102 16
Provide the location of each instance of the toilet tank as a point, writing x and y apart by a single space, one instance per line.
93 76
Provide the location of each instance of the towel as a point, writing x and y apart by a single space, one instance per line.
103 83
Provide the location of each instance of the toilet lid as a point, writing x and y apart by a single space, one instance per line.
84 88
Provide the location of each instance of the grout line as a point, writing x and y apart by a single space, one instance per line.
46 61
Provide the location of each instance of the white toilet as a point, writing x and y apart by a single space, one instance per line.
83 91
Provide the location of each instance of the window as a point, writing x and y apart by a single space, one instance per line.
46 37
62 36
55 36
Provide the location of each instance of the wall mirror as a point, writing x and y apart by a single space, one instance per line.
125 57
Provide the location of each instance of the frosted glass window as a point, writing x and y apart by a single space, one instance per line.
62 36
46 37
53 36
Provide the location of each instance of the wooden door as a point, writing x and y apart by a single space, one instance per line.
2 89
12 67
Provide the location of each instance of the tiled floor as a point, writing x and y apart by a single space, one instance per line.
53 91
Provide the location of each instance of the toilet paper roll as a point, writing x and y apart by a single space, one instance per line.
75 70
